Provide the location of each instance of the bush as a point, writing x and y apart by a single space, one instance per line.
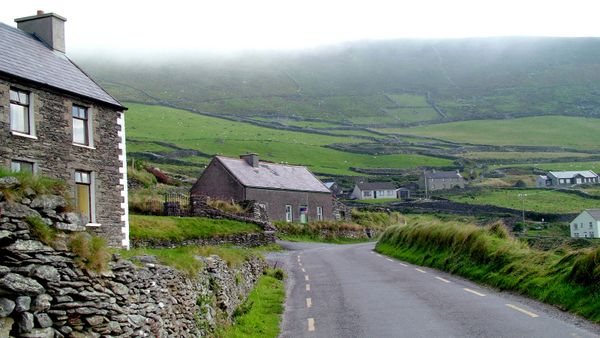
279 274
586 269
229 207
40 230
40 185
92 252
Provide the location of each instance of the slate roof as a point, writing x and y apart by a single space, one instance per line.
571 174
595 213
376 186
273 176
24 56
442 174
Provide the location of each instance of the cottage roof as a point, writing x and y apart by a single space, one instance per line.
571 174
595 213
442 174
376 186
26 57
273 175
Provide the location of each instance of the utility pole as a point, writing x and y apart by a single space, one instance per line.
522 197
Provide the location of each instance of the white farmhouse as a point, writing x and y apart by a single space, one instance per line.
374 190
587 224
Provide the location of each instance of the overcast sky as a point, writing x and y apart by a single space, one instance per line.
124 26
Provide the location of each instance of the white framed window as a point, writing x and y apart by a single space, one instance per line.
367 193
319 213
289 216
81 126
21 114
22 166
84 196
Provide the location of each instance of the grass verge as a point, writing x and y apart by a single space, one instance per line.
182 228
261 313
569 279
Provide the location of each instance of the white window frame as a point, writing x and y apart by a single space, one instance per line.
89 125
319 213
92 175
30 114
289 213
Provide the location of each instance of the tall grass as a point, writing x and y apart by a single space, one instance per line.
376 220
568 279
183 228
40 185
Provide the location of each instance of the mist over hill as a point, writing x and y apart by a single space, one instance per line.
371 83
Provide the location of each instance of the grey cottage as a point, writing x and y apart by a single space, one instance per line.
57 122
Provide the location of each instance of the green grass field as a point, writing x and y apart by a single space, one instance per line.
525 155
559 131
218 136
559 166
182 228
536 200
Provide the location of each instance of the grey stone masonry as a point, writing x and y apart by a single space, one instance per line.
54 154
44 292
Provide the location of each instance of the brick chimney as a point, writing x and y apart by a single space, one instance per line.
49 28
251 159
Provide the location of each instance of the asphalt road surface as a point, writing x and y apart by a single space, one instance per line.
351 291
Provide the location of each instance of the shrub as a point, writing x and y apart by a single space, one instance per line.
225 206
40 230
92 252
38 184
279 274
586 269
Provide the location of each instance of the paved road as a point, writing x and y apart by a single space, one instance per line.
350 291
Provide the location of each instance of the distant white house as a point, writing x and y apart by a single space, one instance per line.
587 224
374 190
566 178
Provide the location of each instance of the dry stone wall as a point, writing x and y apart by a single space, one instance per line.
45 293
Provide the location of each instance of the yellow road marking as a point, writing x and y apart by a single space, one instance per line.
530 314
474 292
442 279
308 302
311 324
305 277
307 287
420 270
402 264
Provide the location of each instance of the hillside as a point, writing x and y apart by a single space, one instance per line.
381 83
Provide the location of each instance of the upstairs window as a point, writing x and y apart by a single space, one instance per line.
20 113
21 166
83 195
81 128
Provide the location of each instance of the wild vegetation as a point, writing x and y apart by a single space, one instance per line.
261 314
184 228
38 184
565 278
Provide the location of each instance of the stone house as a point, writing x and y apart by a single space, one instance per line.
567 178
441 180
288 193
587 224
373 190
57 122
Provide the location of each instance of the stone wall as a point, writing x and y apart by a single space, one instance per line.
54 154
45 293
244 240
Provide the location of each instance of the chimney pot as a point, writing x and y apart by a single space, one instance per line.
49 28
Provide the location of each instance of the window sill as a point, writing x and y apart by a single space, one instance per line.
84 146
93 225
16 133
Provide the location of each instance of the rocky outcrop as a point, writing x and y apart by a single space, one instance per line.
44 292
